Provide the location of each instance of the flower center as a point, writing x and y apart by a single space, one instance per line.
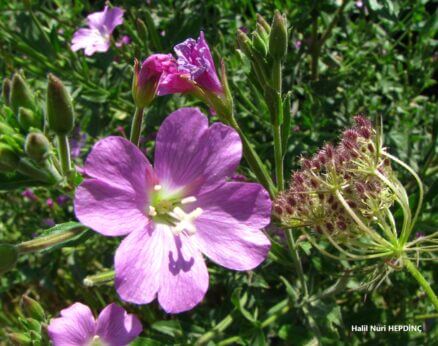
168 209
96 341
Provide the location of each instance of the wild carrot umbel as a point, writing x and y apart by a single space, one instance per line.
345 194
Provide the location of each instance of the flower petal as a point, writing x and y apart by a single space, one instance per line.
75 327
110 210
184 276
138 262
191 155
228 230
106 20
119 163
91 40
116 327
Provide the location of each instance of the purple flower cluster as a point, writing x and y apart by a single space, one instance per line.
312 199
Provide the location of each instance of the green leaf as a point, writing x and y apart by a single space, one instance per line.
171 328
145 342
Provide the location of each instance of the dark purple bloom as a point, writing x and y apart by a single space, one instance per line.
97 37
62 199
49 222
78 327
195 66
176 211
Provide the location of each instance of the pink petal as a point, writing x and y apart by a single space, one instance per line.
138 262
189 154
184 276
228 231
91 40
110 210
116 327
106 20
173 83
75 327
119 163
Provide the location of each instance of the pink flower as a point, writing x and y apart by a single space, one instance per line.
77 326
97 37
149 75
194 66
124 40
176 211
28 193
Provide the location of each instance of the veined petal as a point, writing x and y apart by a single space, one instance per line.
229 229
138 264
106 20
116 327
91 40
110 210
191 155
184 275
75 327
119 163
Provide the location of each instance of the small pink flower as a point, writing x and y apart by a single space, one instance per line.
97 37
194 65
176 211
49 202
78 327
123 41
29 194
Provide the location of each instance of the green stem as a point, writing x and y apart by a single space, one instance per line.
422 281
28 169
42 243
220 327
278 150
99 279
296 259
64 154
136 126
254 161
276 75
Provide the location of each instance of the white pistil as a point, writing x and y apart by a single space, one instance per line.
185 221
157 187
152 211
188 200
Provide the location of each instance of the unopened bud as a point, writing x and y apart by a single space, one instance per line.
259 44
244 43
20 339
32 308
278 37
60 114
37 146
27 118
262 21
262 32
8 257
21 95
6 90
5 129
8 158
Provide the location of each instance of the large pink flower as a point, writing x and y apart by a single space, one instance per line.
97 37
77 326
175 211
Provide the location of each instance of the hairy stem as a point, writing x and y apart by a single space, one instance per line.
64 154
296 259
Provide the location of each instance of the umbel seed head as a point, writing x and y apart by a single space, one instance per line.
60 114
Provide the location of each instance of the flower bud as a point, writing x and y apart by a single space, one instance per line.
20 339
5 129
6 90
278 37
262 32
27 118
32 308
262 21
147 76
259 44
21 95
60 114
8 257
244 43
8 158
37 146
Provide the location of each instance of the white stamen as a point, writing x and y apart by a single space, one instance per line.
185 221
188 200
152 211
157 187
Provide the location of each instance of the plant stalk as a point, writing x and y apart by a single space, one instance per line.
64 154
278 157
296 259
137 122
